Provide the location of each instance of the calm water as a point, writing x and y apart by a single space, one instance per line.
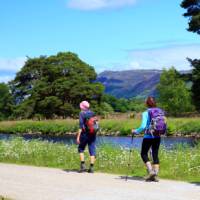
168 142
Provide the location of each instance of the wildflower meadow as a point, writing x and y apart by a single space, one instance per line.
179 163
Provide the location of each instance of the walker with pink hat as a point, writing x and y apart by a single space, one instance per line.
84 105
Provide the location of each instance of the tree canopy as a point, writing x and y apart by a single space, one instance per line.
174 96
54 86
193 13
6 101
196 82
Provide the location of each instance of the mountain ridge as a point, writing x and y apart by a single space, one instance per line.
137 83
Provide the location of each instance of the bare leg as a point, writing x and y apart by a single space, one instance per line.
92 159
82 159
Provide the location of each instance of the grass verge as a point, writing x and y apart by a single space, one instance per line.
181 163
3 198
176 126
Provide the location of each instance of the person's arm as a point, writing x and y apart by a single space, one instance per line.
78 136
143 124
81 127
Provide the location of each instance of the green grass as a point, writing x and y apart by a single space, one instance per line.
3 198
54 127
180 126
182 163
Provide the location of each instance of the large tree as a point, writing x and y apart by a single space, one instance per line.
6 101
174 96
196 82
193 13
54 86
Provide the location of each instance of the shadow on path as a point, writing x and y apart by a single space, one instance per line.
196 183
71 170
135 178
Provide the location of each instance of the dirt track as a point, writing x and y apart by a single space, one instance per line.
38 183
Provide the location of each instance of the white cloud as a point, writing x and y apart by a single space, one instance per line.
6 79
12 65
115 66
9 66
165 57
99 4
156 58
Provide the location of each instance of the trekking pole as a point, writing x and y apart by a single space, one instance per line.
129 159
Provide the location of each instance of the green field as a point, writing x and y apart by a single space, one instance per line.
176 126
181 163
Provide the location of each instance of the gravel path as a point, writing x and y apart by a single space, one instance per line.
39 183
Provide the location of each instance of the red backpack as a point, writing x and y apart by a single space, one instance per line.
92 125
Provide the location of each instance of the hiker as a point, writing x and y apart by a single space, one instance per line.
154 125
86 136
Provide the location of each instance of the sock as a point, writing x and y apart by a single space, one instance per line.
156 170
91 165
149 167
82 163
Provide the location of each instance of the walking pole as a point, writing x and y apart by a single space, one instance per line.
129 159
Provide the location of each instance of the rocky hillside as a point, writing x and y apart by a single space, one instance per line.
131 83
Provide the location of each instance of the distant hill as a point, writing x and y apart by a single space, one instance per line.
131 83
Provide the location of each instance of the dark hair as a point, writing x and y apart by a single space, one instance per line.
151 102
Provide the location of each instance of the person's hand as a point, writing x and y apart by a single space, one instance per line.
133 132
78 140
78 136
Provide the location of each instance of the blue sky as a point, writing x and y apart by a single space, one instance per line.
107 34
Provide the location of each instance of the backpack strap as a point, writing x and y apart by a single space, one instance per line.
82 121
148 121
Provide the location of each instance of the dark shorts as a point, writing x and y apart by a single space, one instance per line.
87 140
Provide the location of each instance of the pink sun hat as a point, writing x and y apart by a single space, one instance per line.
84 105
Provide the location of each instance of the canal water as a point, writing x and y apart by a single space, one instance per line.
167 142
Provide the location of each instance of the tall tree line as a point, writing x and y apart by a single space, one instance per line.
53 86
193 14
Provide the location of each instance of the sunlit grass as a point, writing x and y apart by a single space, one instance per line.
180 163
4 198
54 127
181 126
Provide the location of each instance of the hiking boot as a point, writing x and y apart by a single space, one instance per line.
155 179
151 176
91 170
82 168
